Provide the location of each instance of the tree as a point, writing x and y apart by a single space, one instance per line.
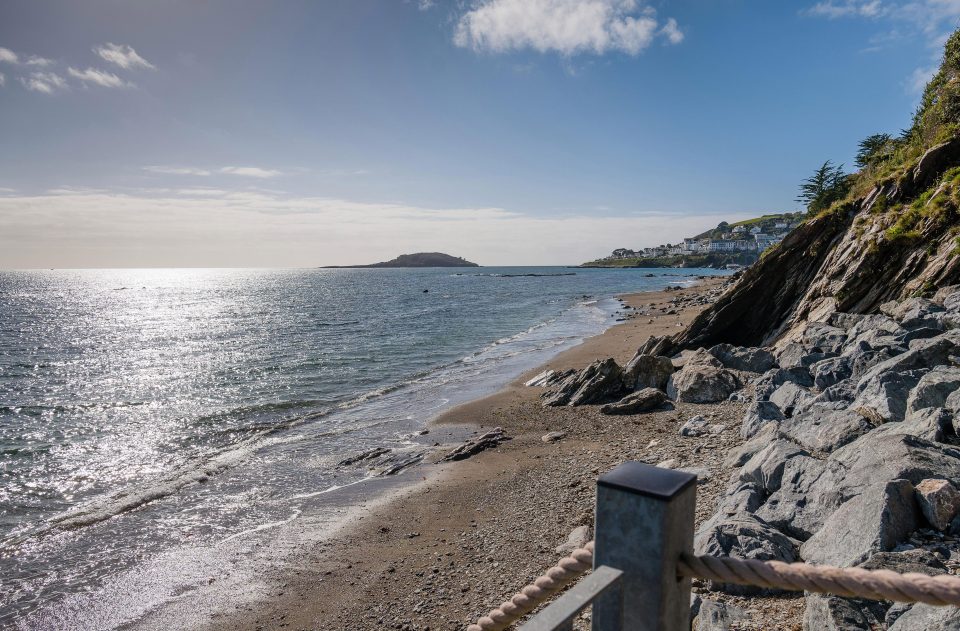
827 184
873 149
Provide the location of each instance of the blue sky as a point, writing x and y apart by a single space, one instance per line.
232 133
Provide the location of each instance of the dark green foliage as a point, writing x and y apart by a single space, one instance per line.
827 185
873 149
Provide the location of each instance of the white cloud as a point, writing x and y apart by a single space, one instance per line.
89 228
3 80
8 56
251 172
919 78
45 82
929 16
122 55
36 60
99 77
167 170
568 27
847 8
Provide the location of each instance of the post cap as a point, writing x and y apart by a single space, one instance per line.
644 479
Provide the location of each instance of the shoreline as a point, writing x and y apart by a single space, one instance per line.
445 549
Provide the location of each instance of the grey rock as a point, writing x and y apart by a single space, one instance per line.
578 537
475 445
918 560
953 402
647 371
844 321
768 382
824 429
717 616
821 337
636 402
804 500
843 392
744 358
932 424
743 497
934 388
882 396
548 378
949 293
928 618
832 613
910 309
791 356
872 327
696 426
757 415
552 437
876 520
743 536
788 396
829 372
599 381
741 454
702 383
765 468
895 611
939 501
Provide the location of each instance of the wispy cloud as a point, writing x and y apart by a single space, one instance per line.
929 16
3 80
122 55
99 77
168 170
834 9
77 227
251 172
45 82
38 61
8 56
568 27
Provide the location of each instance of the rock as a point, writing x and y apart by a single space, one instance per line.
669 463
768 382
934 387
803 502
765 468
895 611
871 330
832 613
757 415
701 383
788 396
821 337
829 372
911 312
876 520
919 561
939 501
579 537
928 618
743 536
716 616
475 445
370 454
953 402
882 396
741 454
931 424
599 381
548 378
552 437
647 371
824 430
636 402
703 474
656 345
696 426
791 356
742 497
743 358
951 293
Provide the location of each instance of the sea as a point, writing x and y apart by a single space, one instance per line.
166 432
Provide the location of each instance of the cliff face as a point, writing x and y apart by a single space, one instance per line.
896 235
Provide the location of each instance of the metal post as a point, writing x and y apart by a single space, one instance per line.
644 521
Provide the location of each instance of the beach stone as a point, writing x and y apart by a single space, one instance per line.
918 560
742 453
882 396
876 520
741 497
552 437
939 501
757 415
702 383
819 336
717 616
931 424
475 445
794 508
599 381
743 536
696 426
647 371
636 402
744 358
934 388
871 329
791 355
824 429
578 537
788 396
832 613
831 371
765 468
922 617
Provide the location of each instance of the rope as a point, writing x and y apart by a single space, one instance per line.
852 582
527 599
855 582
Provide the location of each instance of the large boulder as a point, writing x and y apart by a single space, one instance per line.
832 613
928 618
876 520
822 337
882 396
758 414
744 358
932 424
739 455
823 429
717 616
794 507
933 388
765 468
600 381
912 312
636 402
702 383
789 396
743 536
829 372
647 371
939 501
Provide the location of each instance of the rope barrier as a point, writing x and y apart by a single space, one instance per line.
852 582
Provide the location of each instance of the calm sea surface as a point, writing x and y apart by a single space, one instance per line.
144 412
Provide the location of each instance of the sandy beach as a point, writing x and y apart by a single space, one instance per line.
445 550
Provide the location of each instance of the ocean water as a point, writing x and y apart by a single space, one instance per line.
146 412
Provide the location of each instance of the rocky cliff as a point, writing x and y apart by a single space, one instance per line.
894 236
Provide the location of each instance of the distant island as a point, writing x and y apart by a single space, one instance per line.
420 259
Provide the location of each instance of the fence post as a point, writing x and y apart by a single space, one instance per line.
644 521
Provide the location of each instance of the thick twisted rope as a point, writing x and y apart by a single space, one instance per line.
853 582
527 599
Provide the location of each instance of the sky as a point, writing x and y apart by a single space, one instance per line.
236 133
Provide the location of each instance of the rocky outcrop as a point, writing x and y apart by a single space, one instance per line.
600 381
647 371
636 402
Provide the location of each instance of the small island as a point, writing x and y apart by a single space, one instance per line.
420 259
